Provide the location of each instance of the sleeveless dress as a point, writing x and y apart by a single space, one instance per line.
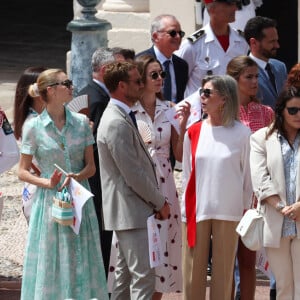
157 137
58 263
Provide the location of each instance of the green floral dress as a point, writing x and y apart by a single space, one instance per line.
58 263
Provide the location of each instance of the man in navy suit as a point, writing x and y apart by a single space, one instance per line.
99 96
166 35
262 37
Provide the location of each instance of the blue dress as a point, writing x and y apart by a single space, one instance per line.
58 263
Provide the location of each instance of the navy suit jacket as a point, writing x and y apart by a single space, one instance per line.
266 92
180 69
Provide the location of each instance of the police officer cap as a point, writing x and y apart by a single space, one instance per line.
224 1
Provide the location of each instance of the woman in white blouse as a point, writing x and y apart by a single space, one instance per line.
216 178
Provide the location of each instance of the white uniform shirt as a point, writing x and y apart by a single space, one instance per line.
206 56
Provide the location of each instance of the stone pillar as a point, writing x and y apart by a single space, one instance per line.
126 5
130 23
88 34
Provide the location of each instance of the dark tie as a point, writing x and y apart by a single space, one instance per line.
271 75
132 116
167 88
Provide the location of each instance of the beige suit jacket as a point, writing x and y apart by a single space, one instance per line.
267 172
129 188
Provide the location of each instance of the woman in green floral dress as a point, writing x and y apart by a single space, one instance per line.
58 263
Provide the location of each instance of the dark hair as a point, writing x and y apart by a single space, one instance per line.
286 95
116 72
143 62
293 78
255 26
128 54
23 101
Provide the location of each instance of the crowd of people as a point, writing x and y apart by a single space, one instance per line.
242 152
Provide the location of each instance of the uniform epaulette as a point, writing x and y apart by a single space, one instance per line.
241 33
196 35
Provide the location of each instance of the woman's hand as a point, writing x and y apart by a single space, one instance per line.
183 112
54 179
292 211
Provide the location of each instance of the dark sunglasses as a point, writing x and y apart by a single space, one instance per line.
67 83
154 75
173 33
206 92
293 110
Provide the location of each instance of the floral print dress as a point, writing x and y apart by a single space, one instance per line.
58 263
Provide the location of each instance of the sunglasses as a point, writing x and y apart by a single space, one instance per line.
154 75
293 110
173 33
67 83
206 92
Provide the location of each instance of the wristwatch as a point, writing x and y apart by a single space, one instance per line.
280 206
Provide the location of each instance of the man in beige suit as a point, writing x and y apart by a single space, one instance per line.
129 188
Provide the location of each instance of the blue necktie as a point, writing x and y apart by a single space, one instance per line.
271 75
132 116
167 88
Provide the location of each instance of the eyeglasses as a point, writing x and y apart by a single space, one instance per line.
67 83
154 75
206 92
173 33
293 110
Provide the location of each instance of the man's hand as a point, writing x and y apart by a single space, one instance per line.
164 212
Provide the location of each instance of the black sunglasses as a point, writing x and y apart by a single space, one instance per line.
293 110
206 92
67 83
154 75
173 33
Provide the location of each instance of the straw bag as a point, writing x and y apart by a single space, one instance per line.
62 208
250 228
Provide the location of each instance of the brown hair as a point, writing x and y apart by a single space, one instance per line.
293 78
237 66
116 72
143 62
23 101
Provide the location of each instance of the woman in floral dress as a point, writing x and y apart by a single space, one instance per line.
158 134
58 263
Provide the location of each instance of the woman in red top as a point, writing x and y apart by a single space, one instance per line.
254 115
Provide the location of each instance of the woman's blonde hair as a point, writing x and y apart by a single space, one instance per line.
227 88
45 79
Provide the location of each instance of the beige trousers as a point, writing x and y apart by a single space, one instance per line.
224 244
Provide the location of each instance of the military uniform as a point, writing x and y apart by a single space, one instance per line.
205 55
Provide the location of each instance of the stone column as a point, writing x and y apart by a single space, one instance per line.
88 34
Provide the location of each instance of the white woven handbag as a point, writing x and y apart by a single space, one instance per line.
250 228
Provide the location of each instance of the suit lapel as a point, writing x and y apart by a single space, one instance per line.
128 119
275 159
267 82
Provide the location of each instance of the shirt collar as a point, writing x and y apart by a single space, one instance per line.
261 63
46 119
101 84
160 57
120 104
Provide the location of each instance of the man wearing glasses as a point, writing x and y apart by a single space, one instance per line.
166 35
208 50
